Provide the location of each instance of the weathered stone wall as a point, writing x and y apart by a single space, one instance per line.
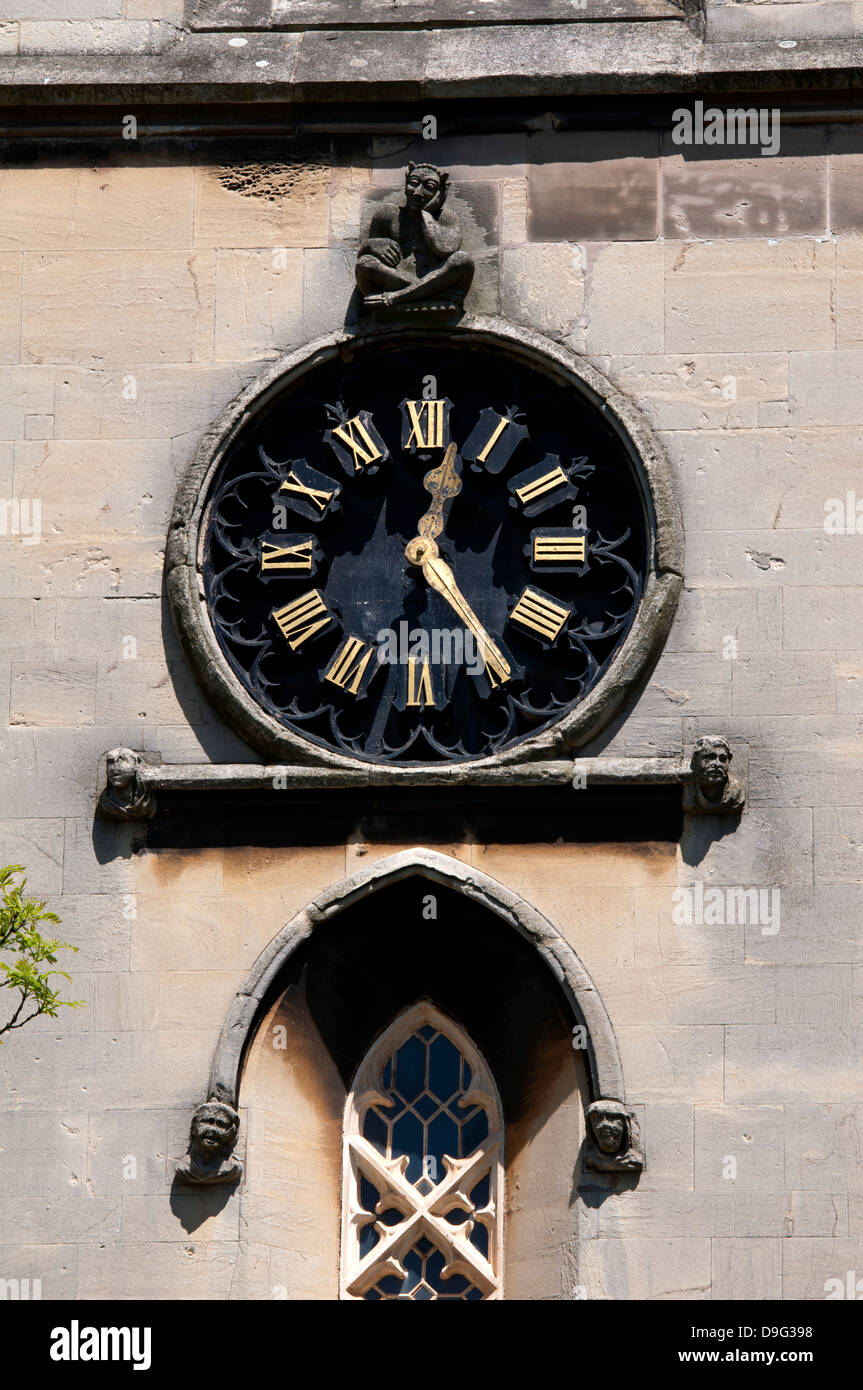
141 290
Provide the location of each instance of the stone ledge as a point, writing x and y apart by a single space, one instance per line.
506 62
322 14
154 776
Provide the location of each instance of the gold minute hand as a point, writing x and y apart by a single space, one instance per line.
423 551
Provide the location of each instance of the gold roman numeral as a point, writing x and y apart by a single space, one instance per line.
349 667
301 618
363 448
318 496
538 486
540 614
559 550
287 557
433 424
493 438
420 691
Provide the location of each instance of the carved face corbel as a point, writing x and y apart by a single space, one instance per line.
613 1142
212 1137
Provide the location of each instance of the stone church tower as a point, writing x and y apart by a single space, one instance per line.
430 647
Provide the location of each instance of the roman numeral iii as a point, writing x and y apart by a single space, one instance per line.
559 550
540 614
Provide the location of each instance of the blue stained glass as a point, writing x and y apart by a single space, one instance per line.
368 1239
427 1032
474 1133
479 1194
375 1131
369 1195
426 1107
408 1139
388 1075
410 1068
444 1068
442 1139
413 1263
457 1216
479 1238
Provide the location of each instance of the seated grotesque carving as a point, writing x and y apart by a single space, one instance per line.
210 1159
712 789
412 255
613 1143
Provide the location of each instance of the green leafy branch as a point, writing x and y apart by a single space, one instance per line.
20 937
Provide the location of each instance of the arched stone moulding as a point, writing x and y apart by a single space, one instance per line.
639 650
601 1052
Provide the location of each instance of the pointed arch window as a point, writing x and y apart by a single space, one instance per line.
422 1174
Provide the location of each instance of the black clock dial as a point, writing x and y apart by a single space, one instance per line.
423 555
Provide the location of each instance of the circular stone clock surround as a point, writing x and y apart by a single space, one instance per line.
184 560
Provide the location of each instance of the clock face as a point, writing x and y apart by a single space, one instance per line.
425 554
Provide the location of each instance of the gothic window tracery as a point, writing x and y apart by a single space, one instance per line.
422 1192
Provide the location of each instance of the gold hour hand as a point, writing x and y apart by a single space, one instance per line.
423 551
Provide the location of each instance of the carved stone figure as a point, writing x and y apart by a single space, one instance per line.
712 788
613 1143
412 256
126 795
210 1159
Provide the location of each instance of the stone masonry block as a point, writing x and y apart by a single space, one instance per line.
269 203
739 1149
82 207
38 845
10 306
593 186
259 301
672 1064
543 287
52 695
676 1267
112 307
718 192
823 1146
809 1265
41 1154
711 391
746 1269
117 1136
770 1064
626 299
774 297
